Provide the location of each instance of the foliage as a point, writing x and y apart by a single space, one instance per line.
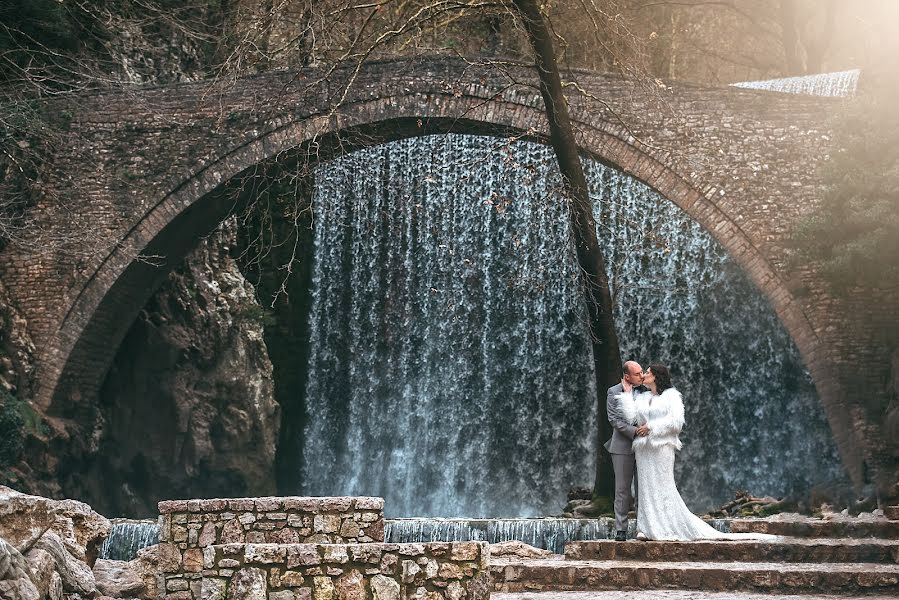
12 426
854 235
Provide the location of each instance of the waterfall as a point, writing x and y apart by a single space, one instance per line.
126 537
839 83
550 534
450 366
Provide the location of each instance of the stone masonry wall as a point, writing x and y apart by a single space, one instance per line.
188 526
434 571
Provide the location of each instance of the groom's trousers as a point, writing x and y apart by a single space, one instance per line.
625 466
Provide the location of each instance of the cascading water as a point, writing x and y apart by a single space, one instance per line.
450 368
550 534
127 537
837 84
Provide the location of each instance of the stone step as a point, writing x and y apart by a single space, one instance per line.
799 550
819 528
796 578
670 595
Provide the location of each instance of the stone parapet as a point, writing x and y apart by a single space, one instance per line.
188 526
433 571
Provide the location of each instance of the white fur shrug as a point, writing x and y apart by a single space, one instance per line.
663 414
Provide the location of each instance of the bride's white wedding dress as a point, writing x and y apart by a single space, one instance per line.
661 512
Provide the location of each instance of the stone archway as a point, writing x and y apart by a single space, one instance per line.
190 198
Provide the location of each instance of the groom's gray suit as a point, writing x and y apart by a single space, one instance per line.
620 447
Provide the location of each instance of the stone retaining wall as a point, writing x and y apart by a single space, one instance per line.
191 525
433 571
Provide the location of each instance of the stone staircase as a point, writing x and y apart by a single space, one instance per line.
813 557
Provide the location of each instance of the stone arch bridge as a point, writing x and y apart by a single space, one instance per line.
146 169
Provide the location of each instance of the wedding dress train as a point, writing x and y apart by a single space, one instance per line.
661 512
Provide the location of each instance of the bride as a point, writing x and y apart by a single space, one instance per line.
661 512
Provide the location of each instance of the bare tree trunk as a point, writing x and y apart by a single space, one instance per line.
606 355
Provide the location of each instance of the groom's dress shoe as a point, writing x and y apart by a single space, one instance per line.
620 536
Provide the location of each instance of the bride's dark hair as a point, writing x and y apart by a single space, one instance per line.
663 377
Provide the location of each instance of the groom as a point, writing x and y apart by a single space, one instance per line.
620 446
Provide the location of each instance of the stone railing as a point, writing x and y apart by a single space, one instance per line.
306 549
433 571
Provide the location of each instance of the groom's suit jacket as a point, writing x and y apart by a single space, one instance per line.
622 432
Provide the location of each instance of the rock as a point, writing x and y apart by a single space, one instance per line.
350 586
161 558
81 530
519 549
385 588
248 584
15 575
18 589
76 576
43 568
189 397
55 590
116 578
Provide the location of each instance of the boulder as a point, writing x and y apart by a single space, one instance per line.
116 579
76 576
160 558
80 529
43 567
15 575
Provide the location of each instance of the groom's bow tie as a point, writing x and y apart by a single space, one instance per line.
640 388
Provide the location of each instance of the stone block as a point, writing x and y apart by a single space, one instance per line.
322 588
172 506
350 586
369 503
268 504
241 504
465 551
326 523
336 504
213 588
265 554
292 579
302 504
248 584
335 554
207 536
232 532
302 555
385 588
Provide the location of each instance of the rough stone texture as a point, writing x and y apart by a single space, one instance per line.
147 167
80 529
519 549
15 575
671 595
559 575
822 550
799 526
43 568
116 579
188 407
247 584
75 574
187 527
344 572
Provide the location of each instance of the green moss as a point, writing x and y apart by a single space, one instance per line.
17 419
12 430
